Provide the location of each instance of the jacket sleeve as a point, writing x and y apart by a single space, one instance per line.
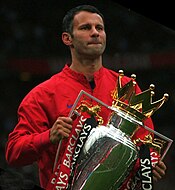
31 134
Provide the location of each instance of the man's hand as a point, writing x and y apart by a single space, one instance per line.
60 129
159 171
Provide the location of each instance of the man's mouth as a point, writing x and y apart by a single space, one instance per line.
93 43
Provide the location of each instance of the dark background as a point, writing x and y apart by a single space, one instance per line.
140 40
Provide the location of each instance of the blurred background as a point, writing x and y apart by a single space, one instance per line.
31 51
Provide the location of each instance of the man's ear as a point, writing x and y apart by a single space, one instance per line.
66 38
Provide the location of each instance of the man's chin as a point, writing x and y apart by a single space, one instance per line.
94 55
96 51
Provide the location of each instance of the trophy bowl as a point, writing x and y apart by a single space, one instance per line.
106 160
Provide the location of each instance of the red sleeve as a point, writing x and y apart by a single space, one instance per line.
31 134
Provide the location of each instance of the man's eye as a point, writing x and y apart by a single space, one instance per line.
85 28
99 28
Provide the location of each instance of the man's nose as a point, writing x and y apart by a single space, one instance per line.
94 32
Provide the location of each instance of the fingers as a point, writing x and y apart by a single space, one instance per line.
61 129
159 171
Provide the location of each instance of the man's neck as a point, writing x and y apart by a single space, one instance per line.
87 67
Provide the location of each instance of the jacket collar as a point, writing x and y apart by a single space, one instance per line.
79 76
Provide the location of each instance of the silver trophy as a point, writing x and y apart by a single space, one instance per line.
109 153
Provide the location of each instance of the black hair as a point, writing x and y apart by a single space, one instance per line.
67 25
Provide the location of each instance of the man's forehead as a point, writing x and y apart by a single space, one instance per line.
87 17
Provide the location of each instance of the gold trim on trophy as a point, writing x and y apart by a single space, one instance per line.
91 110
139 105
155 143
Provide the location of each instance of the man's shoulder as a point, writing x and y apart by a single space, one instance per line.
116 74
110 72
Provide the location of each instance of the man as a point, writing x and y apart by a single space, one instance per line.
43 113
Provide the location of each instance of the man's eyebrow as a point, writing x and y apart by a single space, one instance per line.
83 25
89 24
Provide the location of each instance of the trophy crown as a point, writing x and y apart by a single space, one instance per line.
140 106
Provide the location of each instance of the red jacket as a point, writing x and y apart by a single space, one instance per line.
29 142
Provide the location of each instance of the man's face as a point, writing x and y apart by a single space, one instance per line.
89 37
